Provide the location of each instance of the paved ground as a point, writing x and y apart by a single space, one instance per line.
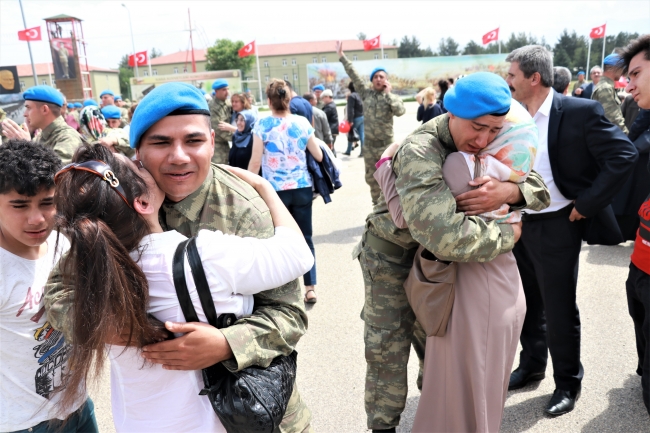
331 355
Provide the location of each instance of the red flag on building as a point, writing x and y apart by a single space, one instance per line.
33 34
598 32
142 58
247 50
372 44
491 36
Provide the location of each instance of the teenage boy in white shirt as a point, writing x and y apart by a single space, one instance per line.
33 356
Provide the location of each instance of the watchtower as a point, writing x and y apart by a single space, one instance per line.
65 34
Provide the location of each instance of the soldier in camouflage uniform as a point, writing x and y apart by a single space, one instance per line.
605 92
218 201
124 112
386 255
220 111
379 106
43 111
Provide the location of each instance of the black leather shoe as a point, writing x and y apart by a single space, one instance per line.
562 402
388 430
522 377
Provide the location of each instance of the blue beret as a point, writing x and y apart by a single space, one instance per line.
318 87
78 105
581 72
219 84
106 92
176 98
374 71
478 94
612 60
44 94
70 105
111 112
203 91
89 102
117 98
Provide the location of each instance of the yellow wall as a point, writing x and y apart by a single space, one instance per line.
98 81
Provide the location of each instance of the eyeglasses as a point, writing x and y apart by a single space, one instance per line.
99 168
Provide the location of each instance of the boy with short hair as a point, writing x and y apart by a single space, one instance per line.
33 356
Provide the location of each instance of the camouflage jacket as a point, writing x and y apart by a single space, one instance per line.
61 138
430 209
223 202
122 137
220 111
124 115
378 107
605 93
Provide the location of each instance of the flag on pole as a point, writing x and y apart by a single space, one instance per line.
372 44
247 50
33 34
598 32
142 58
491 36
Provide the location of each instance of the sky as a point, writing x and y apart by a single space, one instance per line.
164 24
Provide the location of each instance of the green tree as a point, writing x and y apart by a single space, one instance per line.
518 40
448 47
409 48
473 48
155 53
223 55
124 75
361 36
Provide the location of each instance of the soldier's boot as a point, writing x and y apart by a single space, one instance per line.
389 322
372 150
221 151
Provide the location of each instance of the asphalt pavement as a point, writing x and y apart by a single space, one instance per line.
331 355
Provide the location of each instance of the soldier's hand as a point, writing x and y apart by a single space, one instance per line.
11 129
223 126
387 87
201 346
489 195
579 91
390 150
516 227
339 48
109 143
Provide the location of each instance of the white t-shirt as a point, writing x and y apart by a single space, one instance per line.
144 396
32 354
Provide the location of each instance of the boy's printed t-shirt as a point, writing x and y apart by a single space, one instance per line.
33 355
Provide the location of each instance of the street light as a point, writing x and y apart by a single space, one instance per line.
135 61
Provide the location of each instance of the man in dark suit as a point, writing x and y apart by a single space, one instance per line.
586 90
584 160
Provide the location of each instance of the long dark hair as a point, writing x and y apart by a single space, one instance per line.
109 290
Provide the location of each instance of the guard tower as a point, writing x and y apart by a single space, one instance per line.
68 48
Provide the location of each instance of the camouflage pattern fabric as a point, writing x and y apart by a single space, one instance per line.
390 329
61 138
577 84
378 107
124 115
220 111
122 137
225 202
372 151
605 93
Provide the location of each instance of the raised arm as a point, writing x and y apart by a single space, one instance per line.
359 84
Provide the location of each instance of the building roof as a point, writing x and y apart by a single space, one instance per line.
267 50
47 68
61 17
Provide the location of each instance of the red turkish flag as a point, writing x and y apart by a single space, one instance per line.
247 50
372 44
491 36
598 32
33 34
142 58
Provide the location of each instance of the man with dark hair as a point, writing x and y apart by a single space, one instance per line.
321 126
330 110
299 105
635 60
605 91
586 90
43 111
583 167
561 79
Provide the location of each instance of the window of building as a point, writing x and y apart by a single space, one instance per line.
146 73
22 85
295 76
266 64
184 70
376 56
323 59
293 62
175 70
314 59
44 82
385 56
154 72
286 77
284 62
354 57
266 78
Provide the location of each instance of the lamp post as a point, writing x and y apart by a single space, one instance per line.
135 61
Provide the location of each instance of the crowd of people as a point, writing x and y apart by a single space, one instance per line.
472 245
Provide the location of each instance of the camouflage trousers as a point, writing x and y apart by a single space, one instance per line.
297 418
372 150
390 329
221 151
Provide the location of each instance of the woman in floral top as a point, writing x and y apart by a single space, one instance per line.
280 143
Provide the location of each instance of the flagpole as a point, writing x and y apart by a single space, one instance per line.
602 61
149 62
259 74
135 60
499 39
381 44
29 45
588 54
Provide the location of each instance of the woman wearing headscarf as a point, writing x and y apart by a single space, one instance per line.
242 140
93 127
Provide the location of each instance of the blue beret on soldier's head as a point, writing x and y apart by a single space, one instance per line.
106 92
70 105
44 94
374 71
168 99
612 60
112 112
581 72
318 87
117 98
219 84
477 95
89 102
78 105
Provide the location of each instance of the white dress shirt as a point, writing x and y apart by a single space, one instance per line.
542 162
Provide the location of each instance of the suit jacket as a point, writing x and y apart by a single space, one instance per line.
587 90
591 159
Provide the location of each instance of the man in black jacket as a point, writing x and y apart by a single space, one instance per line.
332 115
584 160
586 90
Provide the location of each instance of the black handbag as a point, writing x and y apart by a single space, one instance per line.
253 399
353 135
